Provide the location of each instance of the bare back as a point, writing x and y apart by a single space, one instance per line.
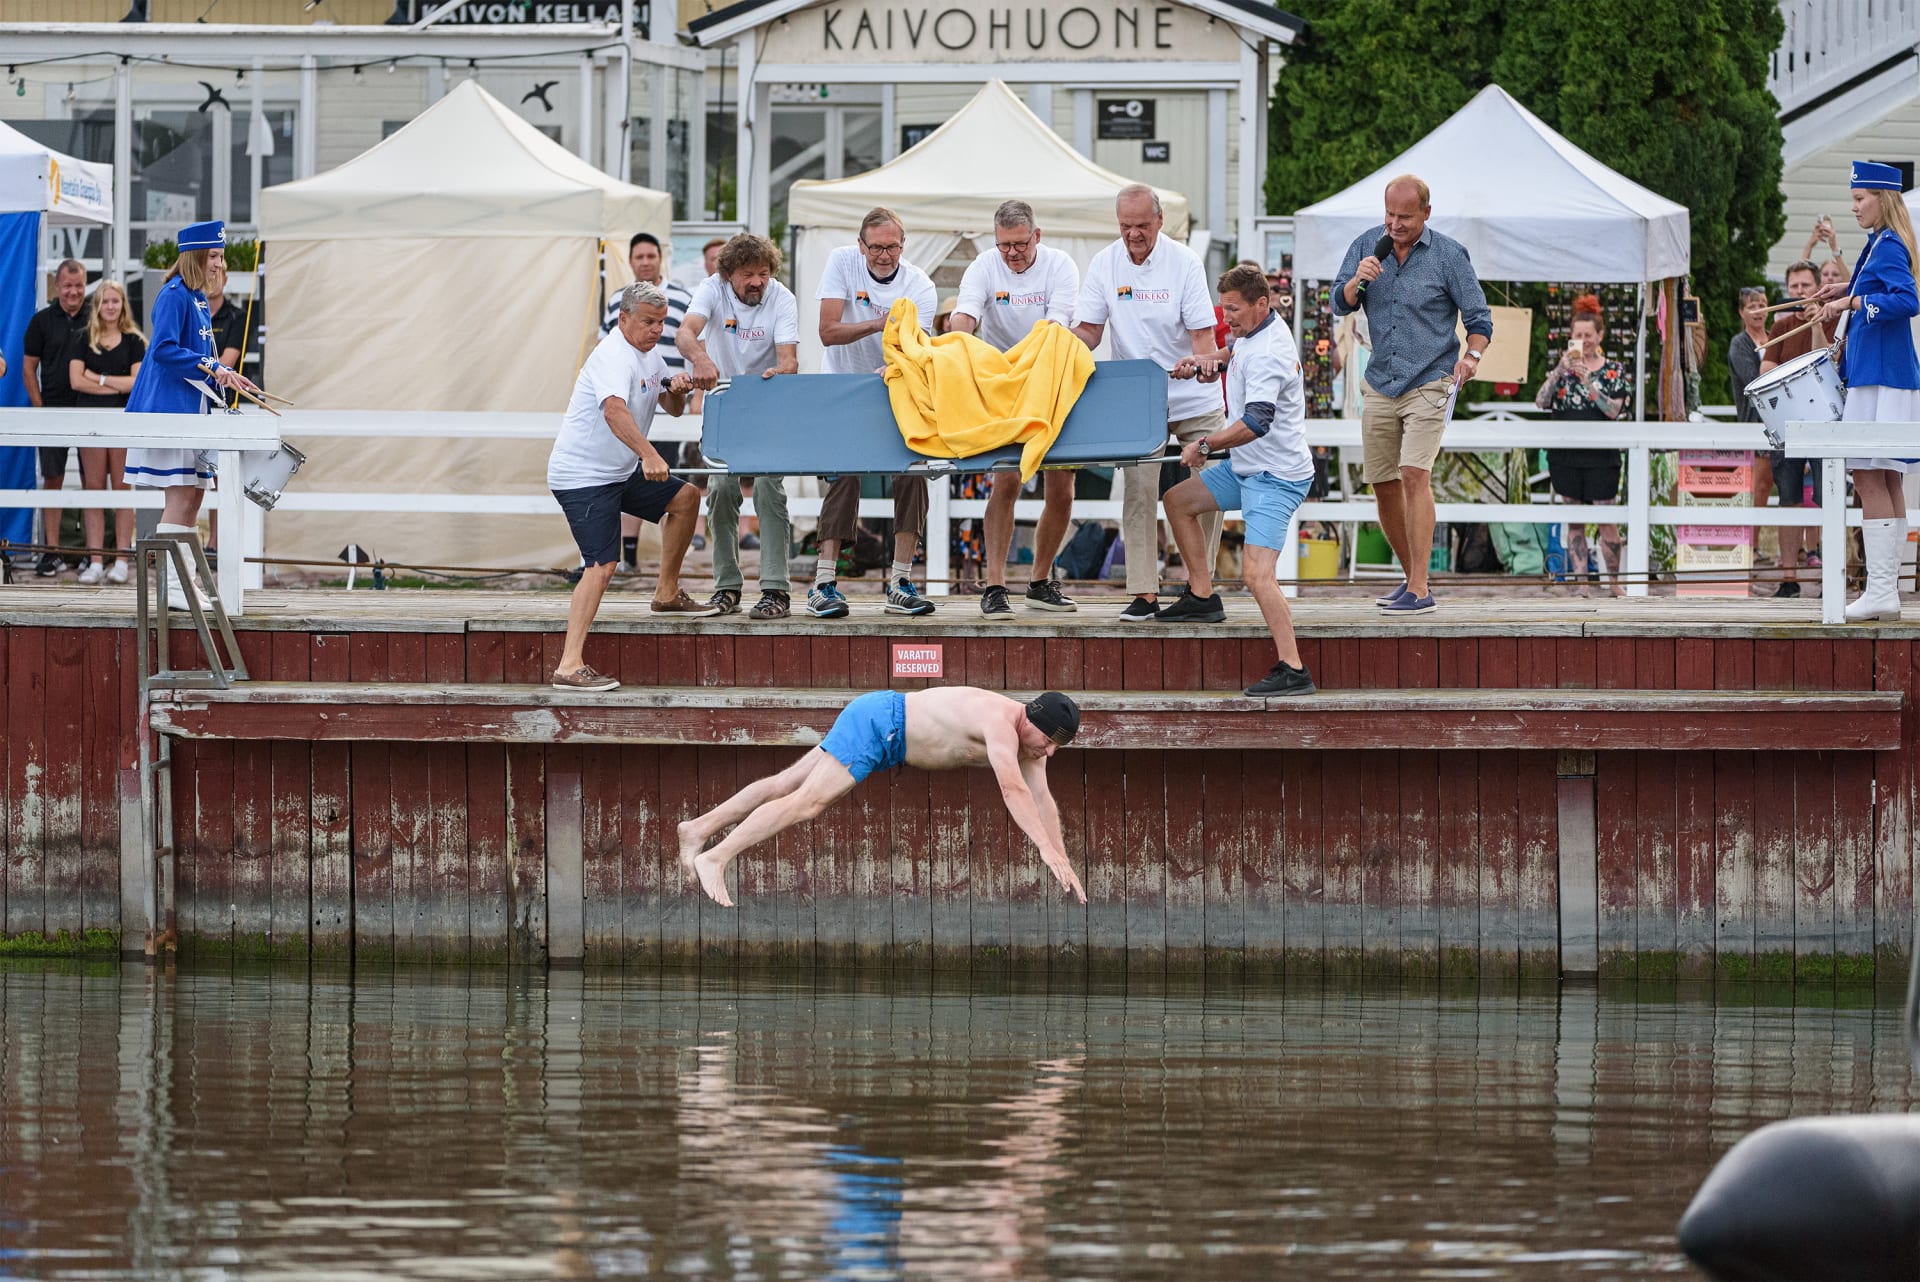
947 726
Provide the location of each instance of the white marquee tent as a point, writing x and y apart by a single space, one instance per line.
38 179
454 266
1527 204
948 185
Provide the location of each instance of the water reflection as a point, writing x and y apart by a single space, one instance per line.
434 1126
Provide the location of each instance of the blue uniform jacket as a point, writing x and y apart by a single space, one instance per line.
182 338
1879 351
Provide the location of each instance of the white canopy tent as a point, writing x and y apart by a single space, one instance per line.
38 179
454 266
1527 204
936 186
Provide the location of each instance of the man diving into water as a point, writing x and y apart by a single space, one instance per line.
944 728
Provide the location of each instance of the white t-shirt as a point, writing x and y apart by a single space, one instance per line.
1007 304
1266 368
1148 310
587 452
742 339
846 278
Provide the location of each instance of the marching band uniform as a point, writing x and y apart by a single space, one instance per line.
1882 374
170 380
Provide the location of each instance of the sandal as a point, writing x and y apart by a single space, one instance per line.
725 601
772 605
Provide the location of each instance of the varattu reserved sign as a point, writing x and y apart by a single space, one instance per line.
986 32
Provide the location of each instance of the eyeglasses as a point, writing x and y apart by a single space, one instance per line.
1009 246
885 251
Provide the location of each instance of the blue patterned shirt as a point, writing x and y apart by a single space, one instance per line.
1412 307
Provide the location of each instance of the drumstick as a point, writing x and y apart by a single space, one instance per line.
1792 302
1789 334
257 401
270 396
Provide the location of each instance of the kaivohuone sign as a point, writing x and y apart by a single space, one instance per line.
958 31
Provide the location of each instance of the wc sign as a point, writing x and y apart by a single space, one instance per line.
918 660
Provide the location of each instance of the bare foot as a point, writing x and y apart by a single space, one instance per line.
713 878
691 843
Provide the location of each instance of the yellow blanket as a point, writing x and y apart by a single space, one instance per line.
955 396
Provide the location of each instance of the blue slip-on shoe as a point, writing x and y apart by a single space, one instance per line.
1384 601
1410 604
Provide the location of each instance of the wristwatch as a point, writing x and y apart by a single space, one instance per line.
1206 451
102 378
1473 356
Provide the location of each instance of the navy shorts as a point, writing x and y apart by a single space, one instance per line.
593 512
870 734
1790 477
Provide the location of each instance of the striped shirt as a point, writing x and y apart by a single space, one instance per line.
678 297
1411 309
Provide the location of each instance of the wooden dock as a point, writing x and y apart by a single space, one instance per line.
1509 786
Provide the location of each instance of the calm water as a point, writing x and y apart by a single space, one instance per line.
263 1126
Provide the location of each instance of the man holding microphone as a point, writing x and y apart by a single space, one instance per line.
1413 292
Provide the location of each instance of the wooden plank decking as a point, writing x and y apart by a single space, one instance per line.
1669 720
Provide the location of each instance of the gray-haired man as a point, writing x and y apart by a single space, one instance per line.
603 465
1152 293
1009 289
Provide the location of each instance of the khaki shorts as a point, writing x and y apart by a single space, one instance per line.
1402 431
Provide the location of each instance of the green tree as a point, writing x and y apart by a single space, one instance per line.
1672 96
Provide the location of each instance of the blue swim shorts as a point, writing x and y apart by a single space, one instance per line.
870 734
1265 502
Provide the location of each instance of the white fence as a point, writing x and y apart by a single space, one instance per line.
1637 514
1828 42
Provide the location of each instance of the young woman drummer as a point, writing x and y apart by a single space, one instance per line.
180 363
1881 371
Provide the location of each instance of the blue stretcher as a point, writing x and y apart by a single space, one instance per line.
843 425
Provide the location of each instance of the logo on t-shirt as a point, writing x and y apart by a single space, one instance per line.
860 297
753 335
1035 298
1002 297
1127 293
731 325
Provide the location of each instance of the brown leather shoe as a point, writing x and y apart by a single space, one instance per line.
583 678
684 604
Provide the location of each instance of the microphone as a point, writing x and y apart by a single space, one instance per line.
1381 248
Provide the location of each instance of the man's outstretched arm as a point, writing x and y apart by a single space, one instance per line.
1042 825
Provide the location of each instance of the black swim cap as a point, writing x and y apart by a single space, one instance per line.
1056 716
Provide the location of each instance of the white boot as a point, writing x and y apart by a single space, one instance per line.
1881 600
176 590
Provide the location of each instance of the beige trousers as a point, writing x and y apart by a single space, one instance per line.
1140 502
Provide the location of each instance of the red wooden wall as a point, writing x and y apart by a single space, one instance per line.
1772 864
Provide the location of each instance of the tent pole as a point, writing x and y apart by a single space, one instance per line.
120 243
1640 358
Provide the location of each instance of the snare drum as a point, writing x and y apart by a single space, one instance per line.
1805 389
267 473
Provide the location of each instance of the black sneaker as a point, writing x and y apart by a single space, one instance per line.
725 601
1140 611
48 565
1194 609
1283 680
773 604
1788 589
1045 594
993 602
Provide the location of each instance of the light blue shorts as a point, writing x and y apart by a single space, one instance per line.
870 734
1266 502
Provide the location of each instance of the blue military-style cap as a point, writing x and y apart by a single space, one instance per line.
207 235
1871 175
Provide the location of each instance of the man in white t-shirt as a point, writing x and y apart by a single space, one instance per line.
857 290
1266 478
1018 284
1151 292
603 466
757 335
644 257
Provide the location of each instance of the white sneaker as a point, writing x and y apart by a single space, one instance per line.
92 575
117 572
